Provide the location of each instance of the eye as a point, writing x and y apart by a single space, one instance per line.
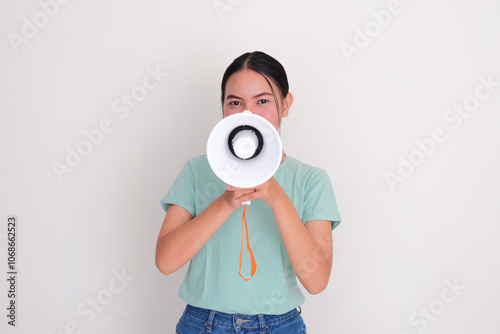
235 103
263 101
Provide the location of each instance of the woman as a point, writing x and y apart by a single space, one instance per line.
290 222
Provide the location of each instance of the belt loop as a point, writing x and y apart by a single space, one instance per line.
210 320
300 309
262 323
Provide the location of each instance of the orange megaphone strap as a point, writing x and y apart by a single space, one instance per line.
252 258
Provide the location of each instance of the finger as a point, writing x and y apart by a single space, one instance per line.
246 190
237 202
231 188
247 197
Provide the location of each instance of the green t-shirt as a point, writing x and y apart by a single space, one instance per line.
212 280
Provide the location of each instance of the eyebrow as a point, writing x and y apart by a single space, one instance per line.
256 96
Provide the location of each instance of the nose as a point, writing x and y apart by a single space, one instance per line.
248 106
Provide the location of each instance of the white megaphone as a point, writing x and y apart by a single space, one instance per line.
244 150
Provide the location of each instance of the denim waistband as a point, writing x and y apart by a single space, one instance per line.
239 320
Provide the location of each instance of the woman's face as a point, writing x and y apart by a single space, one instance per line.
249 90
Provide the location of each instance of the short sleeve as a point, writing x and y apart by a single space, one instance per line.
182 191
319 199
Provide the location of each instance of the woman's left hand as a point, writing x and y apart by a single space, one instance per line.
270 192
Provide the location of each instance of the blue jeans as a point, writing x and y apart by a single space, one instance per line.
196 320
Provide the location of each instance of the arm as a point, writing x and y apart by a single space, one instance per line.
309 246
182 236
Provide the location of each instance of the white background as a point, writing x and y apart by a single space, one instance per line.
397 250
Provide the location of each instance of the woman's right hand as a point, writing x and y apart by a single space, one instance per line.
231 196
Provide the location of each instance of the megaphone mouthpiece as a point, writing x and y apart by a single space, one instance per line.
245 142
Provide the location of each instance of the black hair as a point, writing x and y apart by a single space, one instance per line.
263 64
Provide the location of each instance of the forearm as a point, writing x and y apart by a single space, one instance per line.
180 245
311 263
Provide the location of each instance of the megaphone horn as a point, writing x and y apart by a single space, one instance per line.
244 150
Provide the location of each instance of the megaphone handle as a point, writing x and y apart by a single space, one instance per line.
246 203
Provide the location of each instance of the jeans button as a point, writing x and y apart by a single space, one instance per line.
239 321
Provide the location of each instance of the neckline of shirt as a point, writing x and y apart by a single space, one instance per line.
284 164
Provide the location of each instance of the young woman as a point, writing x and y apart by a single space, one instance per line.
290 220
